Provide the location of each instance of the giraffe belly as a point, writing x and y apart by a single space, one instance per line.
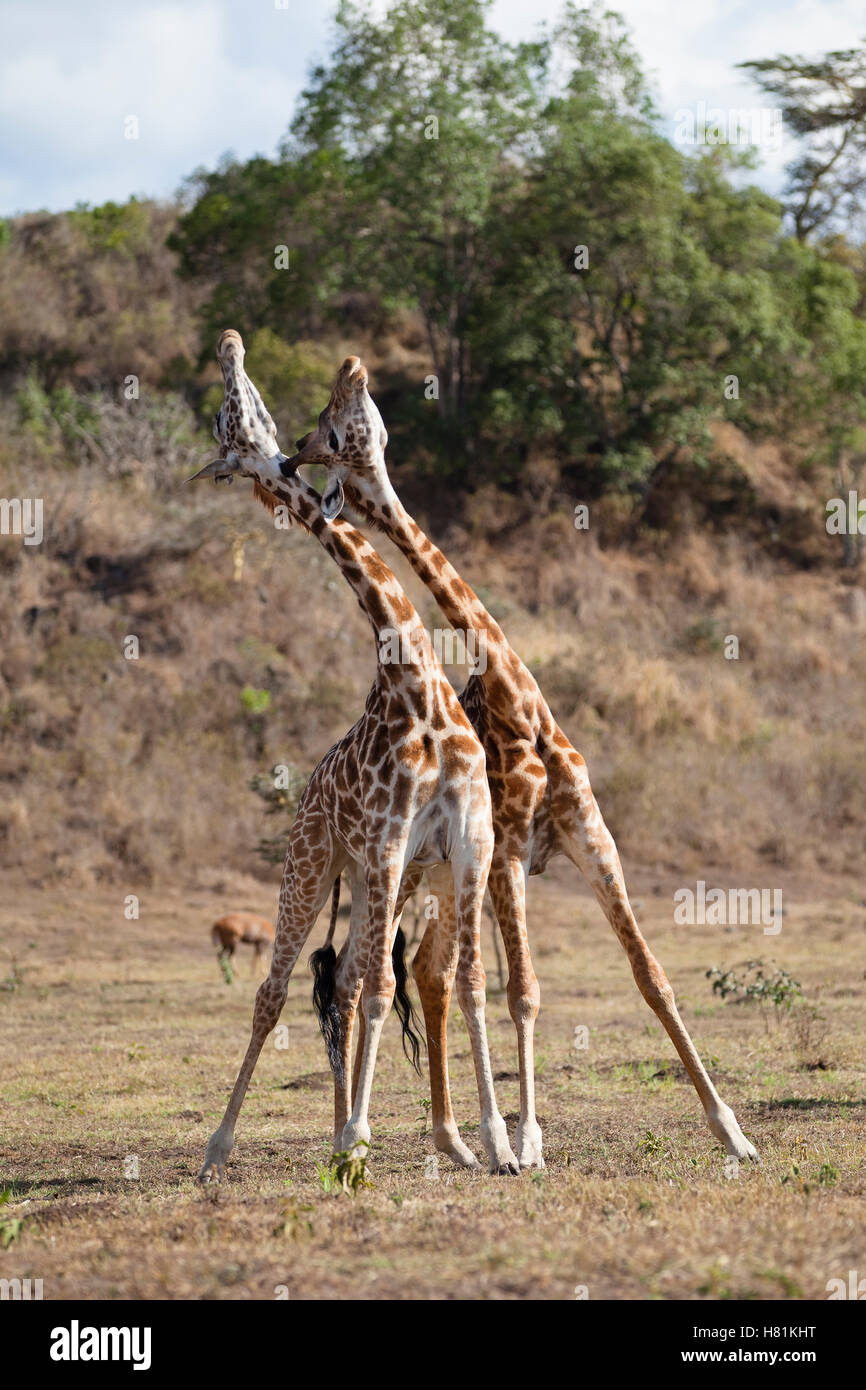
429 840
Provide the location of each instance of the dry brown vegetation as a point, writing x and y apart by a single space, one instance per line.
134 770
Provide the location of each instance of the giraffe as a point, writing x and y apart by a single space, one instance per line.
406 786
543 803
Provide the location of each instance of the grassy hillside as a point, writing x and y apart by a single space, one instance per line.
134 770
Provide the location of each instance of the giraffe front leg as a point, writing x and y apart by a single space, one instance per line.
270 998
307 879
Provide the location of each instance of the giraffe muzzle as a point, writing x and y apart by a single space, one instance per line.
221 470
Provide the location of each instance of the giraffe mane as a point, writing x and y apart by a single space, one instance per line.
271 500
268 500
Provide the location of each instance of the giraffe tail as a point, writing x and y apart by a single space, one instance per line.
323 964
335 906
402 1002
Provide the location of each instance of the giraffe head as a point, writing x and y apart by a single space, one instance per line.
242 426
349 440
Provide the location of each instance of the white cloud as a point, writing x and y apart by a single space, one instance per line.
65 94
691 49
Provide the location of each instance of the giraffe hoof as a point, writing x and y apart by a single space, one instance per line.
723 1124
528 1147
211 1172
536 1164
355 1140
469 1162
449 1143
500 1155
504 1164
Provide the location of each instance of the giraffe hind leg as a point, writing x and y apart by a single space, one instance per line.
590 845
434 968
470 879
507 884
382 880
348 985
348 981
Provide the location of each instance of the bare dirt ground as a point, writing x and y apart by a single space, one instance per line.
120 1040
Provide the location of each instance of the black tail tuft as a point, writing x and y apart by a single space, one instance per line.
403 1004
323 964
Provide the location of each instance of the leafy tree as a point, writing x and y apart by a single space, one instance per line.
643 281
583 290
235 219
425 117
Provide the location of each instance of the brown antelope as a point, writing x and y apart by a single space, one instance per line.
237 927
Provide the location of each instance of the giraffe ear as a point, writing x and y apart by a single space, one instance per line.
332 500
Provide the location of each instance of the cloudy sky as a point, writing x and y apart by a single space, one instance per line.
206 76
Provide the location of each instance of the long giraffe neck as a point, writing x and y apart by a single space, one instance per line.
457 600
396 624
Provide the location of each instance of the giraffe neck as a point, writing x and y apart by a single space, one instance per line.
400 635
457 600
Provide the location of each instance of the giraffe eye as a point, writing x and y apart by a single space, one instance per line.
333 442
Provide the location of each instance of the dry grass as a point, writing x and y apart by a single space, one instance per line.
120 1038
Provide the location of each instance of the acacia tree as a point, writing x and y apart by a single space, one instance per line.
824 101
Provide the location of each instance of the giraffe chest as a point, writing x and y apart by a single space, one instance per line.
419 783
